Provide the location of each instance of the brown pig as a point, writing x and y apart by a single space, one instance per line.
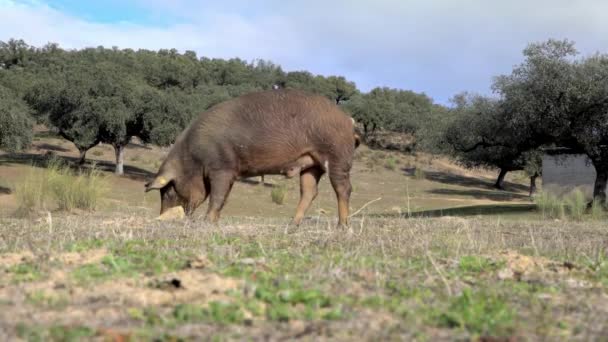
283 131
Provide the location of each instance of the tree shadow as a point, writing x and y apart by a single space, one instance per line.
256 182
5 191
496 195
473 210
50 147
38 160
135 145
466 181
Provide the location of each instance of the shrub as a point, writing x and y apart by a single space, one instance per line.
278 194
97 153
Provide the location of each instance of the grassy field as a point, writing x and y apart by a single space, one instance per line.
441 256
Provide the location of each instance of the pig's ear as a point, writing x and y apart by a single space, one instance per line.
159 182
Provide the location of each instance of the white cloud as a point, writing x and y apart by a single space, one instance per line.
439 47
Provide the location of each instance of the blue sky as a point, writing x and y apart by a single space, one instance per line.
439 47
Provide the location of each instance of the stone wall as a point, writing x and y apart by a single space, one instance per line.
563 172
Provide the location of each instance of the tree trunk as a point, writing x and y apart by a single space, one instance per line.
83 156
599 188
501 179
365 130
120 158
533 184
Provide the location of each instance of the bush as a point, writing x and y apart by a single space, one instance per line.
278 194
59 185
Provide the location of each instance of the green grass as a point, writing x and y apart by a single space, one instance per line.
478 312
25 272
54 333
128 260
49 301
477 264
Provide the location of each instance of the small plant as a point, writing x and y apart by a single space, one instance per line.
278 194
390 163
419 174
97 153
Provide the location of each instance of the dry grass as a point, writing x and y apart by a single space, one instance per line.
57 186
432 279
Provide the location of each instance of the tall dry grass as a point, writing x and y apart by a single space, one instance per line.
57 186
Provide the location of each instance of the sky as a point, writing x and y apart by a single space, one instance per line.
438 47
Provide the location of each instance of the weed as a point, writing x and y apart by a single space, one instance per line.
278 194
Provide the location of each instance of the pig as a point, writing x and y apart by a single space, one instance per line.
282 131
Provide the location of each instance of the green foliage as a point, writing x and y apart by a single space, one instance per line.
278 194
15 121
479 312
